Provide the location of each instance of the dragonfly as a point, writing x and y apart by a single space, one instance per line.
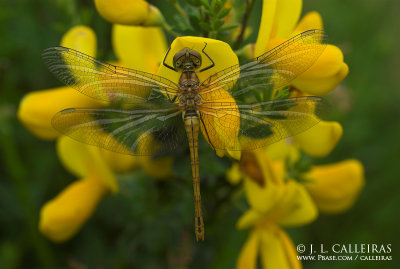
145 106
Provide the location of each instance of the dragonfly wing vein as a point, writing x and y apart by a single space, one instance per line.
236 126
106 82
275 68
138 131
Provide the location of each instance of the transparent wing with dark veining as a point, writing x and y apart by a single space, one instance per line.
143 130
235 126
273 69
104 81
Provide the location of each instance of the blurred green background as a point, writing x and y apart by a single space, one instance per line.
134 229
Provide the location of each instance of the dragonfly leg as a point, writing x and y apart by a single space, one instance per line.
212 62
165 64
173 99
208 137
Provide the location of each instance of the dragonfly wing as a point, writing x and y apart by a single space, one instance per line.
274 69
232 126
104 81
140 131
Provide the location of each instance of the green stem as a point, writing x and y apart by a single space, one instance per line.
168 28
181 11
246 16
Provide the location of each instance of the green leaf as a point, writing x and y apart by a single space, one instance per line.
218 24
195 3
206 26
228 27
205 4
224 12
223 2
216 6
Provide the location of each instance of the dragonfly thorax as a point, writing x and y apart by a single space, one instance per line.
189 97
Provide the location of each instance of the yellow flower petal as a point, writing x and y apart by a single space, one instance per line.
265 30
119 163
235 154
335 187
277 250
129 12
81 38
138 47
83 160
264 196
277 21
288 205
312 20
250 218
221 127
233 175
325 74
248 255
286 17
38 108
63 216
321 139
296 207
74 156
282 149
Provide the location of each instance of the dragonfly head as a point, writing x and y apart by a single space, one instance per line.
187 59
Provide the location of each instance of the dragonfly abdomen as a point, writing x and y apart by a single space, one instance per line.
191 120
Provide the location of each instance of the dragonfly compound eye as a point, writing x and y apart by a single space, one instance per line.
178 58
196 61
195 57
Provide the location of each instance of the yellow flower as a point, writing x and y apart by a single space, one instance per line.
274 203
274 247
227 124
138 47
278 23
266 189
321 139
62 217
335 187
278 18
328 71
81 38
233 174
129 12
38 108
